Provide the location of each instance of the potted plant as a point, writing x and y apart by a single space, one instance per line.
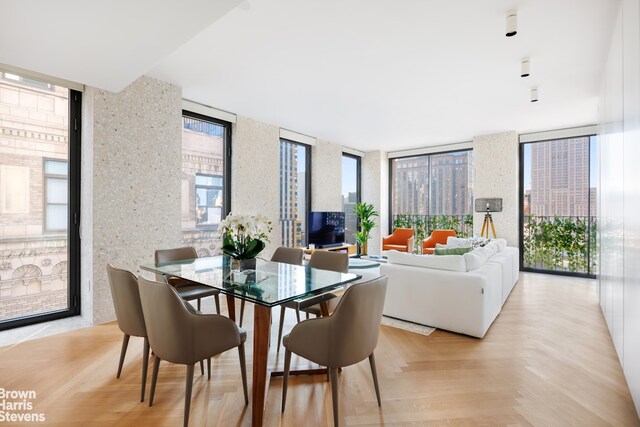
365 213
244 237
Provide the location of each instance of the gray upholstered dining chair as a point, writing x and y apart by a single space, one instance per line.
179 335
344 338
187 290
324 260
126 301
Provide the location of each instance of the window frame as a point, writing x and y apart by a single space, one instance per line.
358 160
226 163
307 185
73 224
521 199
390 189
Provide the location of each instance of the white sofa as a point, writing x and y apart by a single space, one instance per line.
458 293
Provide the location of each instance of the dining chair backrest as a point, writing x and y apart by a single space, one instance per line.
163 256
355 323
167 321
126 301
327 260
288 255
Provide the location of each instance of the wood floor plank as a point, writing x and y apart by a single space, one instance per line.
547 360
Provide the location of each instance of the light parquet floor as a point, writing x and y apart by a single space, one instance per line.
548 360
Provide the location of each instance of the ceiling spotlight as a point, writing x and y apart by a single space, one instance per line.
512 23
534 94
524 67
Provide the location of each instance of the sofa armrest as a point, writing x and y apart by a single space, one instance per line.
411 245
429 242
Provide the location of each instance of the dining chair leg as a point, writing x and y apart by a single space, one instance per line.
154 378
217 299
280 326
208 368
199 304
202 367
123 351
145 366
187 394
241 311
374 373
334 394
285 377
243 372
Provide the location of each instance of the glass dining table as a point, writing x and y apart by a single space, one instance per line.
270 284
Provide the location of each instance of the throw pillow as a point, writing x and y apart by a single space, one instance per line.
457 242
451 251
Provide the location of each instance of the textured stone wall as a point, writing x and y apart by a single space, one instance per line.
255 173
495 159
134 198
375 190
326 180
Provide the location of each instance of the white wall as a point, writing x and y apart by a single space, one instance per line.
619 194
495 160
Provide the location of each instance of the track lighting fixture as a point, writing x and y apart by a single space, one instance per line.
534 94
512 23
524 67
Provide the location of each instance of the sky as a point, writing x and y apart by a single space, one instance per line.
349 178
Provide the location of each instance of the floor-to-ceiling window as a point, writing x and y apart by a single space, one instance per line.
295 192
558 205
432 191
205 180
39 200
350 194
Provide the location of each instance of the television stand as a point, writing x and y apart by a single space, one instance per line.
328 246
350 249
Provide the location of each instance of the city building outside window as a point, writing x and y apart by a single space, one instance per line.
432 191
558 208
39 200
56 183
350 194
295 192
206 170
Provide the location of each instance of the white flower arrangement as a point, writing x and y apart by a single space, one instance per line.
244 236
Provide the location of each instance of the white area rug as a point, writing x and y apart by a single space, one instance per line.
407 326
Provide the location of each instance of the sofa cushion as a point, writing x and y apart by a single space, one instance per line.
478 256
502 243
445 250
401 248
444 262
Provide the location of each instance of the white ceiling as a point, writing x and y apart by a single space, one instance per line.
369 74
101 43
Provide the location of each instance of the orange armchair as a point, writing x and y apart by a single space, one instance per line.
437 236
400 240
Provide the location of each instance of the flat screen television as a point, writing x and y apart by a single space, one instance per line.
326 229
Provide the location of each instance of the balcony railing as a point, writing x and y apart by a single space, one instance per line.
560 243
423 225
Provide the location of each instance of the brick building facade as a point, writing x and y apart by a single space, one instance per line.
33 244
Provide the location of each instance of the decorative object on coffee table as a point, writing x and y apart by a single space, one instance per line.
244 237
365 213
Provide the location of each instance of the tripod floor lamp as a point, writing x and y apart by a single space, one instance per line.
488 205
